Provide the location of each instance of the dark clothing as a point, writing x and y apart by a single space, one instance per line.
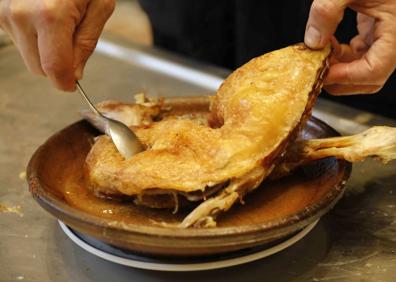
228 33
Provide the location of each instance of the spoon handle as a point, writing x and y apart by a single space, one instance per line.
92 107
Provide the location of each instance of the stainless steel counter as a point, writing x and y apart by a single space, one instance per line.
356 241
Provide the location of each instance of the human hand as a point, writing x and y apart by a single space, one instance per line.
55 37
363 65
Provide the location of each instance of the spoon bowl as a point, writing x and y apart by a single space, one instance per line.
123 137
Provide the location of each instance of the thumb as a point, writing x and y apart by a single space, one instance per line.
88 32
324 17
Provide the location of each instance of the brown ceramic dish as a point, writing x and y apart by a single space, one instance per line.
273 211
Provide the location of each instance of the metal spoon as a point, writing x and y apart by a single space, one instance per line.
123 138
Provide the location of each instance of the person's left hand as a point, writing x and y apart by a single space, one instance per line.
364 65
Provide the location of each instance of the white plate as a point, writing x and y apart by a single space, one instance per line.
124 257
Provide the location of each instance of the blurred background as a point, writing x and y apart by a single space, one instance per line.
229 33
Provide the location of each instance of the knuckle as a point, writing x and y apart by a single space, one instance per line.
17 12
47 13
86 44
325 9
85 47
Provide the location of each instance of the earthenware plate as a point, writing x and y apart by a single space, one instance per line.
275 210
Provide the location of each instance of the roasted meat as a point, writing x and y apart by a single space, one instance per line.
256 113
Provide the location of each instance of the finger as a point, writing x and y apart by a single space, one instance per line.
366 27
23 35
55 45
26 42
344 53
6 27
359 46
340 89
324 17
336 49
4 8
88 32
373 68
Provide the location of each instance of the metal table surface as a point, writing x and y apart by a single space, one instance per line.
356 241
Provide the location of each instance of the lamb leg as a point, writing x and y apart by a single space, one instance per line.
378 142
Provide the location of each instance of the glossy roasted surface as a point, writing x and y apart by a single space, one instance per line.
257 109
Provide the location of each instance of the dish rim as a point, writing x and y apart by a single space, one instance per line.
218 263
61 210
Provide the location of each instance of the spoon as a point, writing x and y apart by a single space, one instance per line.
123 138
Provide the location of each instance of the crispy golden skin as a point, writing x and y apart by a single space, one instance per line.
255 114
260 104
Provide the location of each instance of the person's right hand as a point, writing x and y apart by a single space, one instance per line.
55 37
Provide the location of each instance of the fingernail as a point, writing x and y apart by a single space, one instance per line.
312 37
